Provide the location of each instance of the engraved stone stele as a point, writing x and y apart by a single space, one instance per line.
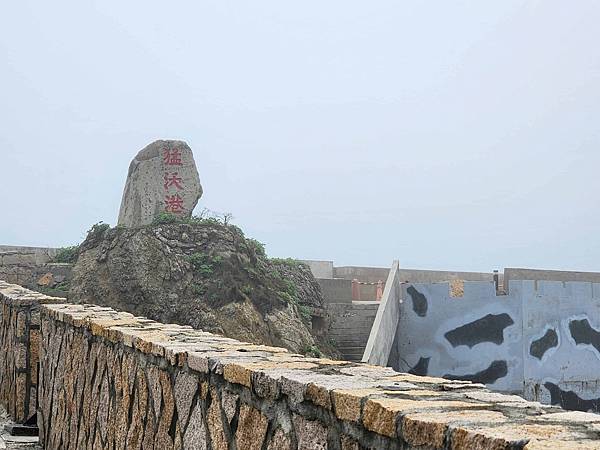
162 178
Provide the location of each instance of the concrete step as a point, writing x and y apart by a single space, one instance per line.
354 304
352 328
354 318
363 331
365 304
352 355
342 346
356 315
357 318
357 343
350 332
339 338
353 349
355 338
351 325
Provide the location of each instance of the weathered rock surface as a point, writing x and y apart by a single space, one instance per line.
162 178
204 274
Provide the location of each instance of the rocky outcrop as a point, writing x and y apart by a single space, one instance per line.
201 273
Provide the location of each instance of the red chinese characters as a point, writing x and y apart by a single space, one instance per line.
173 182
173 203
172 157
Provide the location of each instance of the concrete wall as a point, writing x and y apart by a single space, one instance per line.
561 342
549 275
326 269
477 335
366 274
339 290
320 269
382 335
26 265
436 276
336 290
349 321
542 340
16 254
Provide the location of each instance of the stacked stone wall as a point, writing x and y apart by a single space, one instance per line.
19 344
109 380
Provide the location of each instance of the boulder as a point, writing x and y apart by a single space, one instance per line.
47 280
162 178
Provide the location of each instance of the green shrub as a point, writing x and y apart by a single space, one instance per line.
290 262
305 313
287 298
256 246
235 229
312 351
198 289
212 221
201 263
290 287
97 230
165 218
67 255
247 290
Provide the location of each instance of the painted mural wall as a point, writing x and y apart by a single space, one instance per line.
540 340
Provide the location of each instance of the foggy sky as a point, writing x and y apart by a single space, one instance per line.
446 134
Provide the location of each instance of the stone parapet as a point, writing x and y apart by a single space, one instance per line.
19 341
109 379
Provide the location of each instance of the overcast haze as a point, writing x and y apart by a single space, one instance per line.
446 134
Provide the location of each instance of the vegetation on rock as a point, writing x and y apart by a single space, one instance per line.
202 272
70 254
66 255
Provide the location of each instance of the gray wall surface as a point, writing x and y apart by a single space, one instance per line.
511 273
20 255
339 290
326 269
336 290
25 265
435 276
366 274
542 340
561 342
478 333
320 269
383 331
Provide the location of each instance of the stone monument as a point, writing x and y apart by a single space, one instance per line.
162 178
